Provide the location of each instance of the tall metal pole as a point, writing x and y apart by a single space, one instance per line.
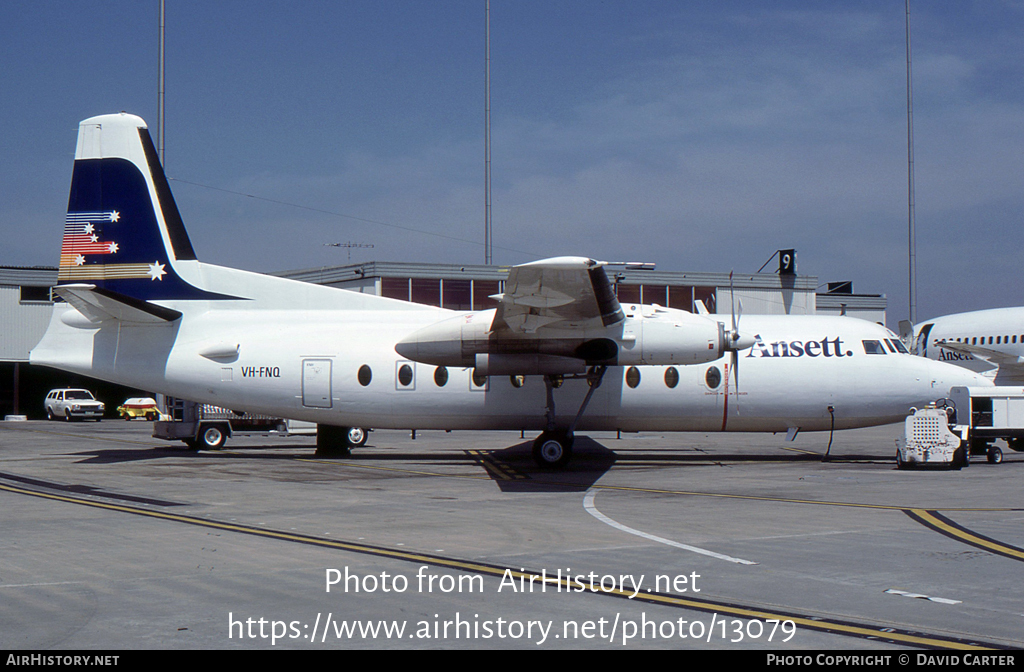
911 224
160 93
488 243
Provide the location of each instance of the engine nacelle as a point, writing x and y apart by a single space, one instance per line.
451 342
671 338
660 337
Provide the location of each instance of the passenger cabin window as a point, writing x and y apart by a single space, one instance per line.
632 376
671 376
405 376
873 348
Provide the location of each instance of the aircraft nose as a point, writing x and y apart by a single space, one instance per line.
949 375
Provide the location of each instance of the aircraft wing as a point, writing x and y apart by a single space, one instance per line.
1000 359
556 294
99 305
1008 369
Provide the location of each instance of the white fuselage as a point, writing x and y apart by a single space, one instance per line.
300 358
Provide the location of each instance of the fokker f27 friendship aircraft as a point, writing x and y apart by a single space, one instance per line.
558 354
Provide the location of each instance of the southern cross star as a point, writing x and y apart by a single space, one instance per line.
156 271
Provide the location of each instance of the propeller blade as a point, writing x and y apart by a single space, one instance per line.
732 300
736 373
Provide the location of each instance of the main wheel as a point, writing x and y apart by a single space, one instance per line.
553 449
357 436
332 441
212 437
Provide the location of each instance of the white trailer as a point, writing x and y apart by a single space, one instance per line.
209 427
990 413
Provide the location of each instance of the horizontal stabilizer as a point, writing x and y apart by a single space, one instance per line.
99 305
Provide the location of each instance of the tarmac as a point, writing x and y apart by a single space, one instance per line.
114 540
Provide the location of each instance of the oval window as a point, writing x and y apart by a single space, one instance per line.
365 375
671 376
632 376
405 375
713 377
517 381
479 379
441 376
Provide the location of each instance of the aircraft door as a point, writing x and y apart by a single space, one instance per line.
316 383
921 346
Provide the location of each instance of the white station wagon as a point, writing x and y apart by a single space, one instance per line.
71 404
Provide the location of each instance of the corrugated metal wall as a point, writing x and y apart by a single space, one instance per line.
21 324
767 301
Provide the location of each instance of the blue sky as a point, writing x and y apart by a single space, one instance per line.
699 136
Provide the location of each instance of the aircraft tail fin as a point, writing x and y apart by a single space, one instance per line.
123 231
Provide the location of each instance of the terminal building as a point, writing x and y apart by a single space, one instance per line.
25 302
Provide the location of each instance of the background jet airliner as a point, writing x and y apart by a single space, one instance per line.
558 355
990 342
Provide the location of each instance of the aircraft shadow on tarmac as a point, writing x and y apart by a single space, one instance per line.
512 468
86 490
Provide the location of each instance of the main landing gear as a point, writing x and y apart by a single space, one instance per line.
332 441
553 448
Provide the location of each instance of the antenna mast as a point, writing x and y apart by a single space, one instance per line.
911 223
160 93
349 246
488 242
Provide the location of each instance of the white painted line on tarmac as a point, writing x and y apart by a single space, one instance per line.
588 504
904 593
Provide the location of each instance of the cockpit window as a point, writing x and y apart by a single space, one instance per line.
898 344
873 348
